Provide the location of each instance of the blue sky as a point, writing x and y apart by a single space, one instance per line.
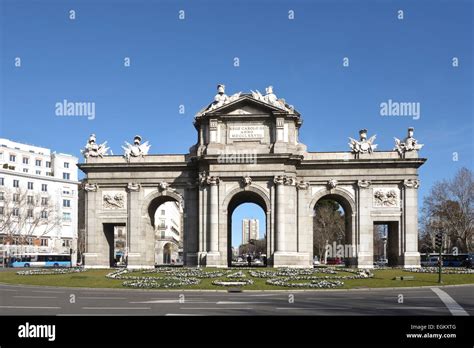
176 62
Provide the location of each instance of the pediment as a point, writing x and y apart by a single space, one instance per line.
245 105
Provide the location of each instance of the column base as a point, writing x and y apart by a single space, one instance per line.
93 260
365 260
411 259
291 259
137 261
214 259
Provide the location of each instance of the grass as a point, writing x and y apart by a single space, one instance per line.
97 279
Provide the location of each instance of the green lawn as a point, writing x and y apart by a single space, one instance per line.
97 279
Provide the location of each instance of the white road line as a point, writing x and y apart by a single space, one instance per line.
119 308
101 298
8 290
19 296
51 291
182 314
449 302
29 307
311 308
213 308
173 301
408 307
239 302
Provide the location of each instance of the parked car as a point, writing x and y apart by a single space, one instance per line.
381 262
469 261
257 262
316 261
334 261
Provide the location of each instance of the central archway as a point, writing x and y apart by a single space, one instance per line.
238 198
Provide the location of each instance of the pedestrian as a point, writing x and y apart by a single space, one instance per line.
249 260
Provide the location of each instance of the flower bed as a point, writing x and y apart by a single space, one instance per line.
241 282
51 271
164 282
322 284
444 270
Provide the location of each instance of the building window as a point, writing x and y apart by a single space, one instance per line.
163 212
66 164
66 203
29 199
162 223
26 160
66 192
2 181
12 158
44 187
16 212
48 164
44 201
1 210
25 170
29 213
30 185
67 216
49 174
44 242
2 196
38 172
16 183
44 214
66 243
66 176
38 163
16 197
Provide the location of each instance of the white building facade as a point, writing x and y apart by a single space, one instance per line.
38 200
250 230
168 233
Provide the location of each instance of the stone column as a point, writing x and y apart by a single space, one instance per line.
411 256
213 181
96 250
365 254
279 215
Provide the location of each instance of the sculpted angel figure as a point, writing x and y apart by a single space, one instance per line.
137 149
92 149
363 145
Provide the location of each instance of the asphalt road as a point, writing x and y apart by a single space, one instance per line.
36 300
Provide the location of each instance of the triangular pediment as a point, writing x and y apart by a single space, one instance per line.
244 104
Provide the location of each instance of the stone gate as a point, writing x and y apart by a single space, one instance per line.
248 150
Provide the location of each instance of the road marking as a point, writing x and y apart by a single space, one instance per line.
213 308
50 291
102 298
238 302
408 307
29 307
311 308
119 308
181 314
8 290
449 302
173 301
35 296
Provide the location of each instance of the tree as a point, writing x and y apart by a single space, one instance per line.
328 225
449 209
27 215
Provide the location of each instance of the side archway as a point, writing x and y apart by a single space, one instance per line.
349 248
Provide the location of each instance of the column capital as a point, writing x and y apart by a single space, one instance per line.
302 185
279 180
363 184
213 180
133 187
411 183
90 187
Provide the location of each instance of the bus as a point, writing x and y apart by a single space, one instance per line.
449 260
41 260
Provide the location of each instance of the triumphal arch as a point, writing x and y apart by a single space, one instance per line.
248 150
